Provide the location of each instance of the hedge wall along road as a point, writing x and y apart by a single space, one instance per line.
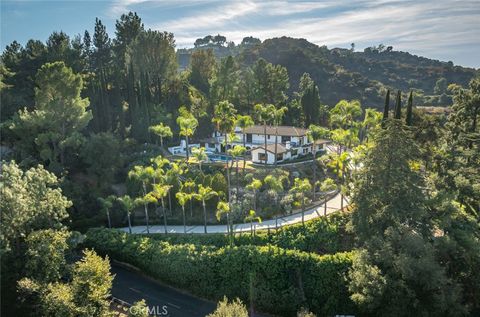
323 235
281 281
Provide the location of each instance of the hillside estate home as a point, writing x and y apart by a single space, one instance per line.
292 142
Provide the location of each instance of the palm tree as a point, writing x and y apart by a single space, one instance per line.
236 152
106 205
200 155
316 133
345 113
302 187
129 204
252 216
204 194
277 115
371 121
183 198
145 200
265 115
274 184
223 208
161 130
172 177
339 163
188 124
224 119
244 122
144 175
254 186
189 187
159 192
159 162
327 185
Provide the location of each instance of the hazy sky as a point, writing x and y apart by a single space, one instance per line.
439 29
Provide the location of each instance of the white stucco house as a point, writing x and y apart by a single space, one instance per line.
292 142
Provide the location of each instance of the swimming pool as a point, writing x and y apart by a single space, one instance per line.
218 157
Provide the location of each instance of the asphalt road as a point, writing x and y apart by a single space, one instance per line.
130 286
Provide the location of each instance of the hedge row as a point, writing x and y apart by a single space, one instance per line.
324 235
275 280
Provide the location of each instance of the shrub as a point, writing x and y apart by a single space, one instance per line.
321 235
277 280
234 309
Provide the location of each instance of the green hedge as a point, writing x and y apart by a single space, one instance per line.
324 235
281 281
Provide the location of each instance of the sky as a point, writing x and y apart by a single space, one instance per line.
447 30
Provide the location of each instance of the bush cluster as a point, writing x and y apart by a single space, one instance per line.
275 280
321 235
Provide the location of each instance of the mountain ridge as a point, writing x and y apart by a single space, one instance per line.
347 74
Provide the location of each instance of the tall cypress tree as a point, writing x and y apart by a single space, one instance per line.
386 109
408 119
101 57
398 106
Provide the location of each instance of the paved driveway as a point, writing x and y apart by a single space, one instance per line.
318 211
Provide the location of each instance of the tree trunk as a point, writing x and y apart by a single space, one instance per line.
325 206
184 220
204 215
244 159
265 136
146 217
251 228
109 221
237 180
161 142
186 149
129 223
341 201
230 229
164 216
228 169
303 209
314 170
170 203
276 142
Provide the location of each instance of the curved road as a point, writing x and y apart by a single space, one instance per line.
131 286
332 205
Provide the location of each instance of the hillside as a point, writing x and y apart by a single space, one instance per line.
346 74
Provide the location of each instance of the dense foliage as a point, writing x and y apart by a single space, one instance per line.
326 235
276 280
235 308
412 219
37 252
